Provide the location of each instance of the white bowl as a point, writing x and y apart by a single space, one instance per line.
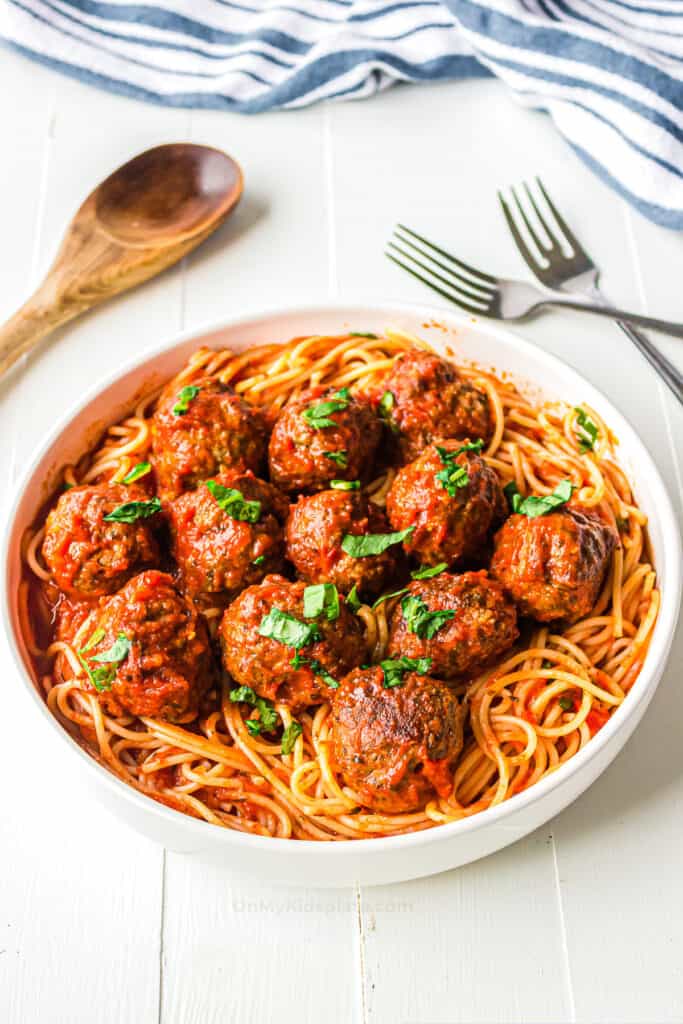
374 861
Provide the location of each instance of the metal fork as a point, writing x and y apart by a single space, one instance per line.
498 297
575 272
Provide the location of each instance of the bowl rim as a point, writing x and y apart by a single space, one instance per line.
641 693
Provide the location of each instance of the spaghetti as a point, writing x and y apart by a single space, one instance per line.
526 715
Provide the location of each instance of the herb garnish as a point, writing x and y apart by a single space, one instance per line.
118 651
183 399
321 598
340 458
259 560
361 334
386 404
587 430
233 503
352 598
142 469
131 511
536 505
288 630
388 597
367 544
102 678
394 669
93 641
267 714
318 416
428 571
452 477
316 667
290 736
345 485
420 620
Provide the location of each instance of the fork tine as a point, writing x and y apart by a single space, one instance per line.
483 300
522 212
561 222
554 243
529 257
435 288
483 292
459 263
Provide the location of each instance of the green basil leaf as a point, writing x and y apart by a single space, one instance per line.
142 469
290 736
253 726
340 458
372 543
453 476
352 598
93 641
101 678
318 415
361 334
420 620
388 597
321 598
288 630
259 560
183 399
345 485
118 651
394 669
386 404
233 503
244 695
587 430
131 511
428 571
539 505
268 718
317 668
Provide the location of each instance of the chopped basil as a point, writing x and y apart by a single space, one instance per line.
118 651
101 678
253 726
587 430
386 404
259 560
183 399
453 477
345 485
321 598
428 571
394 670
316 667
352 598
142 469
372 543
286 629
566 703
290 736
234 504
267 713
340 458
388 597
536 505
93 641
361 334
131 511
420 620
318 416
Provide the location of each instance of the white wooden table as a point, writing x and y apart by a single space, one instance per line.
583 921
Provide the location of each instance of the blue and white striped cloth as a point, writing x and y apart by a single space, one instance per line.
608 72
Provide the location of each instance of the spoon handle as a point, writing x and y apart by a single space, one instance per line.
38 316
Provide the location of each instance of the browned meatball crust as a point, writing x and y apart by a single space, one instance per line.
553 566
450 521
153 650
316 528
88 554
430 401
482 626
197 434
219 551
276 670
323 435
396 748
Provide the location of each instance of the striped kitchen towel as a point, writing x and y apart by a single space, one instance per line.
608 72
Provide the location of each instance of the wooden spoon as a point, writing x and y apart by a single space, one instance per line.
146 216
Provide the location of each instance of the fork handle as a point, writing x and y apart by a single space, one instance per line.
622 315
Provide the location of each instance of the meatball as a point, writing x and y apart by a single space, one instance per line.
396 748
432 401
315 530
227 534
461 622
90 555
149 653
324 434
200 430
553 566
451 497
297 673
